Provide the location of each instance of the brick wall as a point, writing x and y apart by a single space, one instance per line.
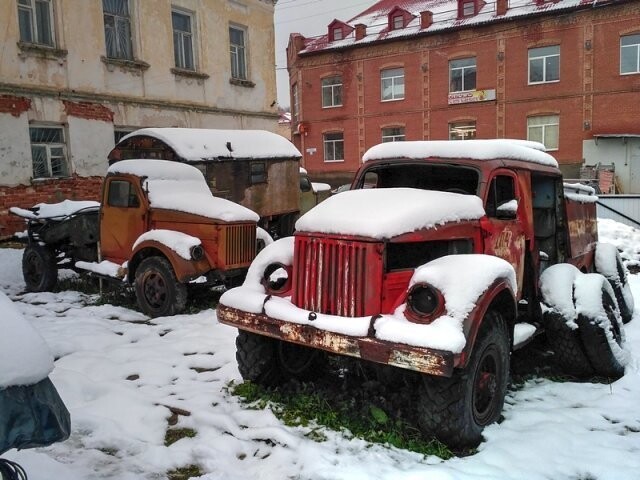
44 191
14 105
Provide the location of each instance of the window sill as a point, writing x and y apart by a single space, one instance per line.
334 161
241 83
332 106
531 84
43 180
392 99
132 65
43 51
181 72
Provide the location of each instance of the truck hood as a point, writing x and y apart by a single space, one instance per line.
388 212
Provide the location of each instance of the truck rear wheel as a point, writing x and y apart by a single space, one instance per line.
457 409
158 291
39 268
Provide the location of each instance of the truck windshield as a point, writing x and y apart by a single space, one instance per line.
425 176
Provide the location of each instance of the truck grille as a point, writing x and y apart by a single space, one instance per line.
240 244
337 277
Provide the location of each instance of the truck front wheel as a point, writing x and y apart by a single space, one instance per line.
158 292
39 268
455 410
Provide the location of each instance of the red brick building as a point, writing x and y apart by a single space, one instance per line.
566 73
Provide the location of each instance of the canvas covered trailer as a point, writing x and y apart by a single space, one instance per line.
255 168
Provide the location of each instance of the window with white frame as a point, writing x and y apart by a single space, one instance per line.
462 130
468 8
333 147
393 134
462 75
398 22
332 91
544 129
48 152
544 64
35 18
630 54
183 39
392 84
117 29
237 43
337 33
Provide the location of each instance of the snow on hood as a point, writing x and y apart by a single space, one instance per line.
388 212
182 187
55 210
195 144
25 358
473 149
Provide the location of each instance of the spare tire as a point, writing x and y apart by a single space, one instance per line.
609 264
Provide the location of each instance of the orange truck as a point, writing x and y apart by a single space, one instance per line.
158 228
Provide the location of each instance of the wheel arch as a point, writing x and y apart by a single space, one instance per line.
184 269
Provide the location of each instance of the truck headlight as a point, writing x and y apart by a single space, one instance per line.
424 303
197 252
277 279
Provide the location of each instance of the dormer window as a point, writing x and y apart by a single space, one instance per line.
337 34
467 8
339 30
398 22
399 18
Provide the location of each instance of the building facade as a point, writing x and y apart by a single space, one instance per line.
77 75
565 73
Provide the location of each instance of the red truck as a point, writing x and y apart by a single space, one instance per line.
442 259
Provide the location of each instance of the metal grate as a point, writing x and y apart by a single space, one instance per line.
336 277
240 244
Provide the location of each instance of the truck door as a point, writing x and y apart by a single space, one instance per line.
122 219
502 228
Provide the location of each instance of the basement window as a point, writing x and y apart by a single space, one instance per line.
48 152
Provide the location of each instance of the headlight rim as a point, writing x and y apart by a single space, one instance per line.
269 270
414 315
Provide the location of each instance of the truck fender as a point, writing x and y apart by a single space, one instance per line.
498 296
185 270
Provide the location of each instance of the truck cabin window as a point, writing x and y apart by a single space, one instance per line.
122 194
501 191
444 178
258 173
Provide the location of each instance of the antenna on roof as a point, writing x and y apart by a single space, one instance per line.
229 147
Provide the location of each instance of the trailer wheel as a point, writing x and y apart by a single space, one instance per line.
457 409
567 346
609 263
603 336
158 292
39 268
269 361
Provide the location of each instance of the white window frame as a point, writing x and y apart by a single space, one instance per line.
392 79
464 70
330 147
238 53
179 49
36 30
123 40
332 92
546 127
631 47
545 58
463 127
49 151
393 134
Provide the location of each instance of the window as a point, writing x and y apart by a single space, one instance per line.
118 133
122 194
393 134
258 173
332 92
398 22
183 40
501 191
35 19
237 42
462 75
337 34
630 54
544 129
544 64
295 105
48 152
392 84
468 8
333 147
462 131
117 29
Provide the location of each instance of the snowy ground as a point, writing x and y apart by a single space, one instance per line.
119 374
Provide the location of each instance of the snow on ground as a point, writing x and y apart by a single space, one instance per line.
119 373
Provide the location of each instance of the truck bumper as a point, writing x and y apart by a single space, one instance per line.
425 360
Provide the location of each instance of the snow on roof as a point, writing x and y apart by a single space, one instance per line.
473 149
196 144
445 17
580 193
25 358
55 210
388 212
178 186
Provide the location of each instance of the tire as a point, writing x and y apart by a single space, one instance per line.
457 409
567 346
158 292
601 332
609 264
270 362
39 268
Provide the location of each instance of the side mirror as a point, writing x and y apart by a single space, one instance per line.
305 184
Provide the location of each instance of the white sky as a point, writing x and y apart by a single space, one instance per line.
309 18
